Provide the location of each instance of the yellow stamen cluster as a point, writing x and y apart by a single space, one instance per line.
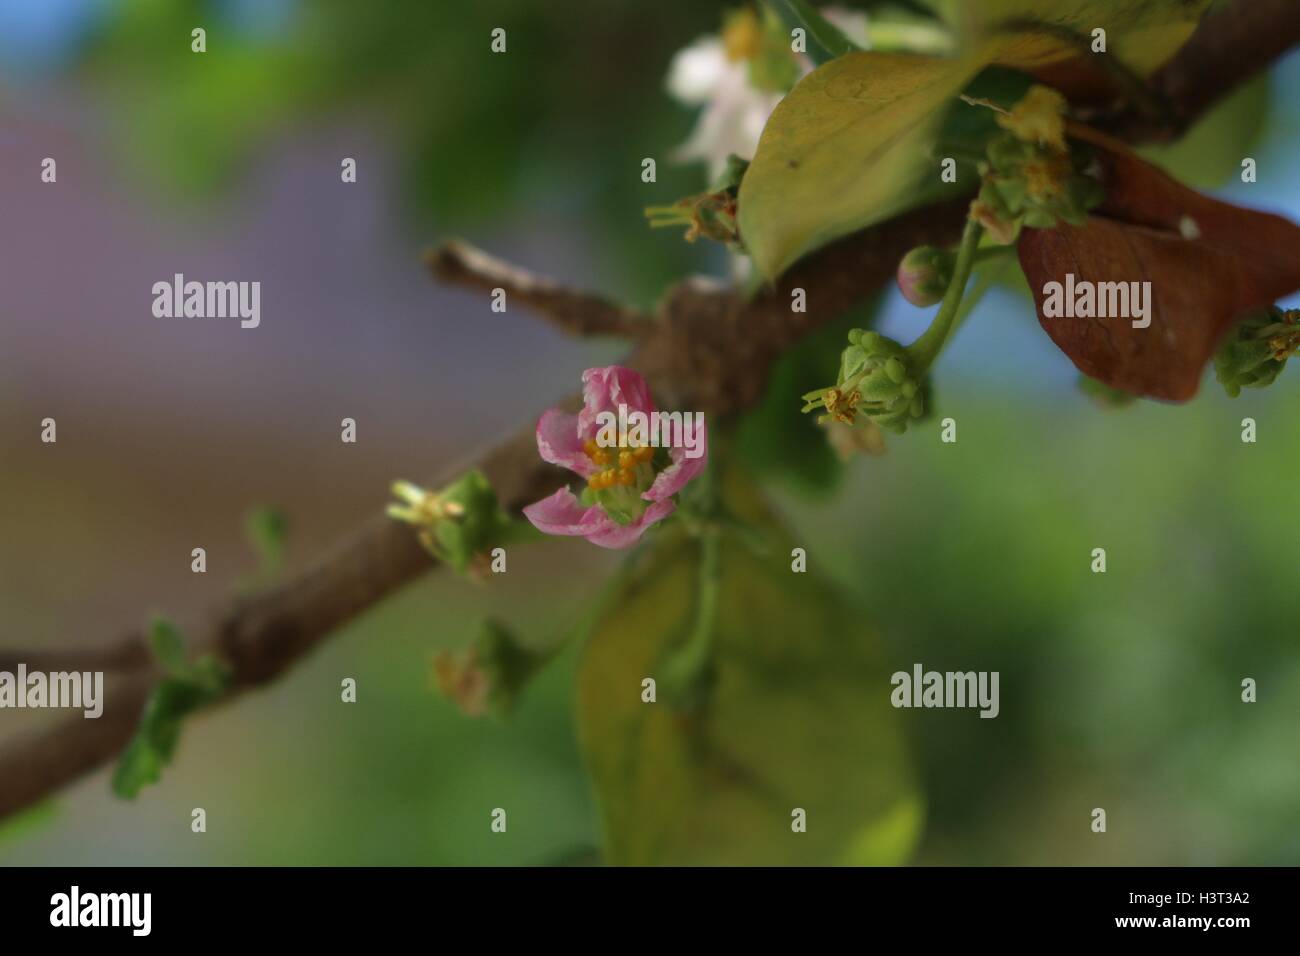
619 464
842 407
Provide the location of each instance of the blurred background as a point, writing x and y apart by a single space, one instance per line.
1119 690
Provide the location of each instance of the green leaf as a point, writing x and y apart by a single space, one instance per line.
156 738
798 716
1142 34
189 687
267 530
853 142
844 150
168 644
153 744
139 766
891 837
825 40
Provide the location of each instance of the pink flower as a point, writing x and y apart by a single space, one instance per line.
631 478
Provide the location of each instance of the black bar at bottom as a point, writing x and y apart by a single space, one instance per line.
218 906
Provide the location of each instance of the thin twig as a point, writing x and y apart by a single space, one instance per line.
572 311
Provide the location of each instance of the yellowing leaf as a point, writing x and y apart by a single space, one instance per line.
1142 34
843 151
799 718
852 141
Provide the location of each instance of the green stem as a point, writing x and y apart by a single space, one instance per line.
691 666
688 670
925 349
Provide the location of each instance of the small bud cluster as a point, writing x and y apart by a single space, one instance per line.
1032 176
875 380
1256 349
458 524
710 214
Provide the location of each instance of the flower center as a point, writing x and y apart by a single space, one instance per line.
624 466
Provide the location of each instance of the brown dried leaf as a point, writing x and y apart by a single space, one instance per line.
1207 262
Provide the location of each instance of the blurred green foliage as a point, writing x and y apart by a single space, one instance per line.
1120 689
553 130
267 530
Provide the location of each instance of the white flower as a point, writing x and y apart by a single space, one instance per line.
734 111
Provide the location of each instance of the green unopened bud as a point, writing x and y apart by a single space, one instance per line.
876 382
924 275
1033 176
457 524
1256 350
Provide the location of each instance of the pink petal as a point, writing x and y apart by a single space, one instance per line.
604 389
559 443
675 477
561 513
608 533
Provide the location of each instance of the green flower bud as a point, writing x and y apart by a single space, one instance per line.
458 524
1255 351
876 381
1032 177
925 274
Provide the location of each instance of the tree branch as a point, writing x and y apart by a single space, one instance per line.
259 637
572 311
1232 44
709 350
